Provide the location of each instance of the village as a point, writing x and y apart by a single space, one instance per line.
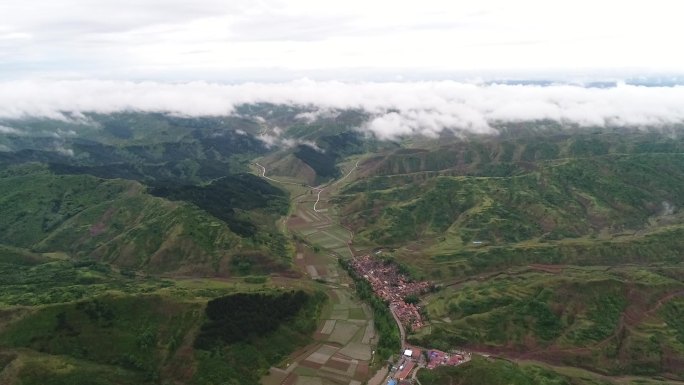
395 288
403 371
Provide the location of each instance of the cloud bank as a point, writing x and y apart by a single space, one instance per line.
394 109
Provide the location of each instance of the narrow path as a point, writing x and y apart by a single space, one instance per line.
319 189
263 175
349 173
318 198
402 332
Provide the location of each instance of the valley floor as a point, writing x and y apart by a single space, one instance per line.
343 350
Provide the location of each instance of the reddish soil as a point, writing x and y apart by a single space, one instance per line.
636 313
339 365
361 371
318 336
552 269
295 222
100 227
291 379
310 364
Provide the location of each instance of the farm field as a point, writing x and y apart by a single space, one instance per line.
345 338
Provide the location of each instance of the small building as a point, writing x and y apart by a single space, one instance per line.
392 381
454 360
404 373
408 353
415 354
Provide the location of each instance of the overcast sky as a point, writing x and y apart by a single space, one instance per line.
235 40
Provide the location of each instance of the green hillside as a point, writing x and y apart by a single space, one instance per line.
87 322
516 150
561 199
145 339
117 221
570 209
620 320
147 147
492 371
482 371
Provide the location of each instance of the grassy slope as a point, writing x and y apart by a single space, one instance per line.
136 333
579 201
152 148
621 320
141 339
116 221
65 323
32 368
481 371
561 199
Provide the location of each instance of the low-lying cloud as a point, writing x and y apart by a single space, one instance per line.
9 130
394 109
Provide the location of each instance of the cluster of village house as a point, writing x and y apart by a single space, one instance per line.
392 286
415 357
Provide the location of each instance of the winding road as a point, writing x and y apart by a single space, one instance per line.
319 189
402 332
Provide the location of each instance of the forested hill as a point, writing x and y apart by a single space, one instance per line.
565 194
221 220
117 221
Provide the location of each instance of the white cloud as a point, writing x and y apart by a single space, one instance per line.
312 116
274 138
269 140
9 130
395 109
64 151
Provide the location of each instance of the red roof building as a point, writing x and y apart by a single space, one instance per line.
404 373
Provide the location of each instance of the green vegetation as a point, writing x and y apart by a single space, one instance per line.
608 320
66 281
116 221
673 314
489 204
323 164
136 333
147 339
65 322
148 147
242 317
245 334
659 246
197 160
566 199
226 198
481 371
43 369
